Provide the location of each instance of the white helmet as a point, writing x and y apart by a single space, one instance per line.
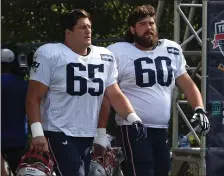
35 164
31 171
107 165
7 56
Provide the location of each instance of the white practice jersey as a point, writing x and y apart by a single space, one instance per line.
147 78
76 87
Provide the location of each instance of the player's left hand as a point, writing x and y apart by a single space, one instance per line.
141 130
200 115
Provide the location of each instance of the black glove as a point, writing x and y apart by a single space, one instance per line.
200 116
141 131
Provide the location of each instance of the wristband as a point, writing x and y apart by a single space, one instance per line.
36 129
102 138
103 141
132 117
101 132
199 107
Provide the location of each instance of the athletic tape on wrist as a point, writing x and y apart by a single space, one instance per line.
133 117
199 107
36 129
101 138
101 132
103 141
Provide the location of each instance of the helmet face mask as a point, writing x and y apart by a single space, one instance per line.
107 165
36 164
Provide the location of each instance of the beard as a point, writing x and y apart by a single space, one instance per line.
146 42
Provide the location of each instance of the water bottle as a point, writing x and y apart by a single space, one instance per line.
184 142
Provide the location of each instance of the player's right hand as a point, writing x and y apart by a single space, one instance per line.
39 144
101 144
99 150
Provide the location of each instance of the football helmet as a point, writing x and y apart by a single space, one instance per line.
35 164
108 165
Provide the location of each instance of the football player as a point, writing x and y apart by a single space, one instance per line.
148 70
67 84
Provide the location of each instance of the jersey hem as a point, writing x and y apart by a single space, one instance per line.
180 73
148 126
110 84
72 135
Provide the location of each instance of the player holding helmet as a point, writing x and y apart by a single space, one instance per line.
148 70
67 84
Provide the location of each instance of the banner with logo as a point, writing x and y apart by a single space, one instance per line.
215 88
215 51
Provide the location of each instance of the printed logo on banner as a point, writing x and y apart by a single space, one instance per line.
216 108
219 36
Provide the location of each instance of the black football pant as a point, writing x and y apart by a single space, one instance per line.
72 154
148 158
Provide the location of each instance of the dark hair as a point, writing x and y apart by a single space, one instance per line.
138 14
70 19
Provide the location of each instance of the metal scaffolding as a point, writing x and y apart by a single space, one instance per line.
181 154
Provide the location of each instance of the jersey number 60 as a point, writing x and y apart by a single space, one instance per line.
82 81
139 71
